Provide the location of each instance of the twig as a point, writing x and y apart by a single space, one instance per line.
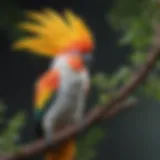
94 116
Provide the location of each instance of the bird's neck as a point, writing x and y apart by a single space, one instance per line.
72 59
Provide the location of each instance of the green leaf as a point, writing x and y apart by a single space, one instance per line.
101 81
10 133
138 58
104 98
152 88
86 144
121 75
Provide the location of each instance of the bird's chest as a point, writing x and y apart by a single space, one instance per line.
72 88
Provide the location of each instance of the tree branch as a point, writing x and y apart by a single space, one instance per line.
97 114
39 146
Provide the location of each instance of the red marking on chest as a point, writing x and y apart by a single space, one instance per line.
76 62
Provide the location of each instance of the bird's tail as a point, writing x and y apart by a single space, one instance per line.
64 152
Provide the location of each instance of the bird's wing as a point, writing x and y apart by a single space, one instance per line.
45 91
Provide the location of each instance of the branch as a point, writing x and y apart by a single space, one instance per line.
94 116
39 146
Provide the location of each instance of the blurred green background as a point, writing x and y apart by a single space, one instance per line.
124 31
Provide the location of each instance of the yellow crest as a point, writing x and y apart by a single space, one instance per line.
53 34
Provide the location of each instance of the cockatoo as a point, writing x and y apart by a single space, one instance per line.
61 91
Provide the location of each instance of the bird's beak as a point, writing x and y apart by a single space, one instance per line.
88 59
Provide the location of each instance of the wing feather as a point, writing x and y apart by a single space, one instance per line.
45 90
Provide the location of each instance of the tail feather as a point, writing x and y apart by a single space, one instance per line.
65 152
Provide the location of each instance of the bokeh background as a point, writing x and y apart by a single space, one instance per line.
131 135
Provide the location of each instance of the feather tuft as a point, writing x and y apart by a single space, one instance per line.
54 34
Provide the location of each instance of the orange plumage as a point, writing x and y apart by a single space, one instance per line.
65 152
53 34
45 86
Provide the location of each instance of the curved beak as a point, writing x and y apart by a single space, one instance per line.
88 58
